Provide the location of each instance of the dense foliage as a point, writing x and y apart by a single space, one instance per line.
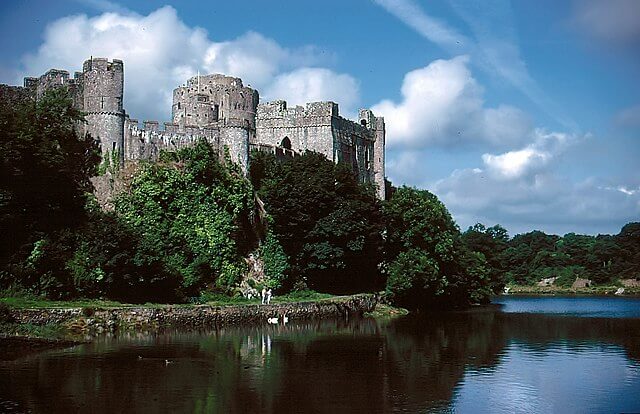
427 263
192 225
328 224
44 172
45 167
530 257
192 209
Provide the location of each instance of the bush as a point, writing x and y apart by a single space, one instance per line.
275 261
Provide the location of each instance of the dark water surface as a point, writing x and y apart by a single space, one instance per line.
531 355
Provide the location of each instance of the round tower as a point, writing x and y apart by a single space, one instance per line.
103 86
214 100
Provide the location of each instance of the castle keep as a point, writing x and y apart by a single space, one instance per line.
221 110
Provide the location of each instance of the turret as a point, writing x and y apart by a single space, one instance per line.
376 125
103 86
220 100
378 156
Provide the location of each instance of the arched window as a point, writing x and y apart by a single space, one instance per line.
363 122
286 143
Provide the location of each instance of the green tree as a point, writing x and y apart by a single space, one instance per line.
491 243
427 262
329 225
627 264
111 260
45 165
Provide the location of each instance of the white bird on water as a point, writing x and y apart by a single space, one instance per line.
273 321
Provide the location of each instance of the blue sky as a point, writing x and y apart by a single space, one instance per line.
523 113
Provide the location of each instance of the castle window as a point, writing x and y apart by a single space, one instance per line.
216 110
178 105
102 102
113 147
286 143
363 122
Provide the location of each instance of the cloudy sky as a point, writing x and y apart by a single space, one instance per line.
523 113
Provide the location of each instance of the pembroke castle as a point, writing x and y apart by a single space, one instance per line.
221 110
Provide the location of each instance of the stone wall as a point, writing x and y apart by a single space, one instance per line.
103 93
146 143
208 99
219 109
98 91
319 127
303 128
196 316
235 140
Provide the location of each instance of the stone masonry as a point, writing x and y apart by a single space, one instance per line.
220 110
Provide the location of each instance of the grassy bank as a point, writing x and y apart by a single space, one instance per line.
35 302
559 290
80 316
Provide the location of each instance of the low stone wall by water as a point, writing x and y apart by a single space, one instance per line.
102 320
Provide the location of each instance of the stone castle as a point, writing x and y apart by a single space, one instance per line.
221 110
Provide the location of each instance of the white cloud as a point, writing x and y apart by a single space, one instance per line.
545 147
615 21
160 52
442 104
523 190
545 201
494 46
624 190
431 28
521 186
316 84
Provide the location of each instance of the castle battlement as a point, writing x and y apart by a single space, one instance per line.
102 64
215 79
219 109
279 109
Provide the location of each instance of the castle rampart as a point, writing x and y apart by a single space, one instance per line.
319 127
146 143
220 110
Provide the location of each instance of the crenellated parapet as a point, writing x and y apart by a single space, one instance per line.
214 99
146 142
318 127
219 109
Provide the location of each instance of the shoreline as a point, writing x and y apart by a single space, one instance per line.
40 328
569 291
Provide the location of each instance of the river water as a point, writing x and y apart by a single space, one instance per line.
529 355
